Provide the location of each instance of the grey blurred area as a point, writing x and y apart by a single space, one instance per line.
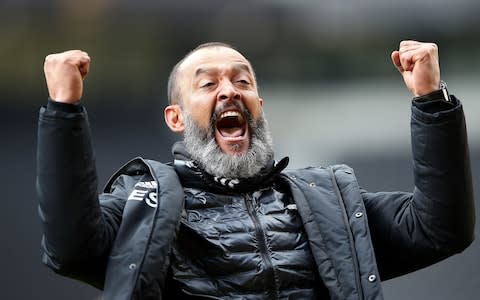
331 96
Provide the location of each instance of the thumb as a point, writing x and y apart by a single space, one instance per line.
84 68
396 61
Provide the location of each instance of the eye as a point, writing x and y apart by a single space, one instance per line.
207 84
243 81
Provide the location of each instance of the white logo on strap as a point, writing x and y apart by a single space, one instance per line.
145 191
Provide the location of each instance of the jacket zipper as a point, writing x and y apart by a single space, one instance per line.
263 248
350 235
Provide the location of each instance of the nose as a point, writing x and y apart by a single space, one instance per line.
228 92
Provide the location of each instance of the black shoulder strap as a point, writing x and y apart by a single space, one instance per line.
136 166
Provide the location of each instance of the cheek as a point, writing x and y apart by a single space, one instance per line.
255 108
201 114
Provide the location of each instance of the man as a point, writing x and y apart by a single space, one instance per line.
226 221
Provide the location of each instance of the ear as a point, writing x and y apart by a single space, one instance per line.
174 118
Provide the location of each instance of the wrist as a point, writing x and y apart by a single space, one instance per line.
64 99
440 93
65 93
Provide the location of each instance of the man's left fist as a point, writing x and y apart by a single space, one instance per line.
419 66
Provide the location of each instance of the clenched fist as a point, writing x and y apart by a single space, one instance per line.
419 66
64 73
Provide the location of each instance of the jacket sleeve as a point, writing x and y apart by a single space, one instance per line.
413 230
78 231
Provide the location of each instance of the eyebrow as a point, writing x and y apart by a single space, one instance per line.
235 67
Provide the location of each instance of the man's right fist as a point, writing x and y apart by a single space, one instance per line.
64 73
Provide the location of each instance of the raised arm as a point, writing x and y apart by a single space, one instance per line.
77 232
413 230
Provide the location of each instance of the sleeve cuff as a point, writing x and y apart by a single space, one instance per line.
434 102
64 107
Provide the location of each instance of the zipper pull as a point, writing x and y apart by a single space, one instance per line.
251 201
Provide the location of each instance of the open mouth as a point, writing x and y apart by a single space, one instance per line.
231 125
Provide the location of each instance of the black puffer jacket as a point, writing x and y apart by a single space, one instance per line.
240 234
123 242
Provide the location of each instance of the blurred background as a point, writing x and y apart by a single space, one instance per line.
324 69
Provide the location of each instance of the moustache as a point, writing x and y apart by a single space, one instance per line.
230 105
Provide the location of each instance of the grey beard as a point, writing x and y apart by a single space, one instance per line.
202 146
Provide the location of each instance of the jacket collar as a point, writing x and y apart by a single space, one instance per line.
192 175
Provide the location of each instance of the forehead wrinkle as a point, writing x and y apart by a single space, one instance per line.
203 70
212 70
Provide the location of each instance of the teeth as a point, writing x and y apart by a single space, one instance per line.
230 114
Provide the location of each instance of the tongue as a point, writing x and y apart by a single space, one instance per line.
231 131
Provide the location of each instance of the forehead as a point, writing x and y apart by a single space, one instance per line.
213 58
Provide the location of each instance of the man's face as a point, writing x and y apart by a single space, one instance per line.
217 84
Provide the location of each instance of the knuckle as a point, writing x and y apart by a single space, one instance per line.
432 48
50 58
